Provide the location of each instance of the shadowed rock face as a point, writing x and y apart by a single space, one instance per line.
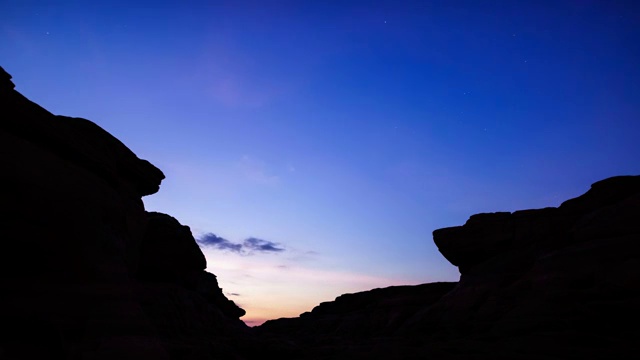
170 253
86 272
375 312
207 286
535 284
554 279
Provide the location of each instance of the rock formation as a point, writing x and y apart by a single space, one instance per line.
87 273
553 283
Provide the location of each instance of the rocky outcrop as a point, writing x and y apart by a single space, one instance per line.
377 312
169 253
355 326
66 179
87 273
558 278
535 284
209 289
486 236
78 141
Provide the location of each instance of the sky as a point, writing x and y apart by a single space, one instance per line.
313 147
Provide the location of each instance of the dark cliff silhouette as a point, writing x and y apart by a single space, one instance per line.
87 273
553 283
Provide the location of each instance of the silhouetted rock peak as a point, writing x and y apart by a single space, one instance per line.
487 235
5 81
79 141
603 193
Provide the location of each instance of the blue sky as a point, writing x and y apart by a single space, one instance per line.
343 133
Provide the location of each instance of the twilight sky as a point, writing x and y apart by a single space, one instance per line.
313 147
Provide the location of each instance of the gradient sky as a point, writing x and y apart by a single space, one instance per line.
338 135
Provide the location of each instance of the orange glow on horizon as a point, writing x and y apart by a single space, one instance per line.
251 322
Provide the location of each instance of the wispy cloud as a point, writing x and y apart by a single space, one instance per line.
248 247
261 245
218 242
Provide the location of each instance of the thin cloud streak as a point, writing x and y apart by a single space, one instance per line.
249 246
215 241
261 245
